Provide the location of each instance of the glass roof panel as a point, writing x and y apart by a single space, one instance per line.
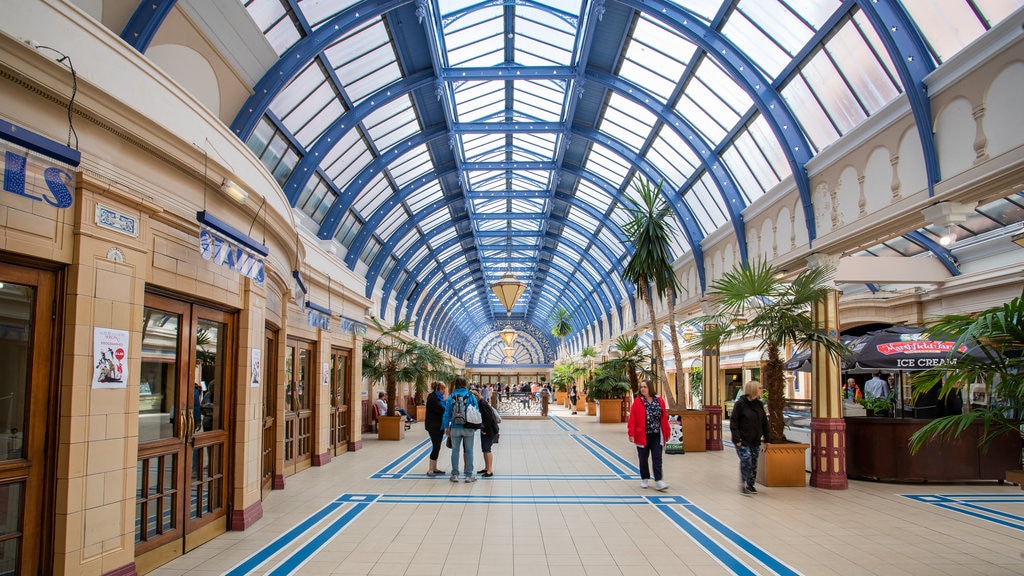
778 21
311 115
592 195
949 26
477 101
627 122
673 158
831 91
815 122
390 124
318 11
706 205
541 101
348 157
763 51
582 218
542 38
364 60
482 147
391 222
431 221
427 194
607 165
858 63
410 166
275 23
476 38
373 195
648 62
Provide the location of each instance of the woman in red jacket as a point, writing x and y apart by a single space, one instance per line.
648 429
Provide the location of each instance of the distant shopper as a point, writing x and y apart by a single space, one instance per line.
457 425
380 405
648 429
876 387
748 425
432 423
851 392
574 395
545 400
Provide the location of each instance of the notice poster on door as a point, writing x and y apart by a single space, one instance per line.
110 348
256 368
326 373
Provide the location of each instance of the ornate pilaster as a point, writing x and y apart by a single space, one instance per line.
828 430
713 392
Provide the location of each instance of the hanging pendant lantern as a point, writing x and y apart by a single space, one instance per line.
509 351
508 335
508 289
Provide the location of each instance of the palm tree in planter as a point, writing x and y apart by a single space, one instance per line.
650 267
753 303
561 325
432 365
631 366
392 358
609 386
997 364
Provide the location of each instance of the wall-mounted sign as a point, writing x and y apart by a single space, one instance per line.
35 177
350 326
117 221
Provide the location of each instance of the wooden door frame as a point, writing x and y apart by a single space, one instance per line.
346 397
271 341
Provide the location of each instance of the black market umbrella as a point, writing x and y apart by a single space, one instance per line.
801 359
903 348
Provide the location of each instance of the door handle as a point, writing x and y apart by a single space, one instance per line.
191 428
182 422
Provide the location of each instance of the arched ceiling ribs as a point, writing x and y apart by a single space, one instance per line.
736 64
144 23
403 262
295 59
310 161
909 54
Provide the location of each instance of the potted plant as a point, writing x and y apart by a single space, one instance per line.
997 366
877 406
392 358
608 388
752 302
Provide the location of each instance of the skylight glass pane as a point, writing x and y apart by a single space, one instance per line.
582 218
648 62
420 199
539 100
759 48
706 204
816 124
318 11
370 251
520 206
780 23
476 38
542 145
490 206
738 167
346 159
752 156
312 115
769 146
391 222
410 166
946 26
431 221
608 166
309 80
672 157
406 242
477 101
861 68
364 61
348 229
475 146
277 26
392 123
373 195
834 94
594 196
627 122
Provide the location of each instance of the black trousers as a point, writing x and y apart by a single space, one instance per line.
653 451
435 443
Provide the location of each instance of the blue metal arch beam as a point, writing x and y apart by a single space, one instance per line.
748 76
145 21
334 133
450 315
295 59
942 253
913 62
713 164
389 282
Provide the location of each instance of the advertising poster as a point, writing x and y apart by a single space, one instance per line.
110 351
674 445
257 368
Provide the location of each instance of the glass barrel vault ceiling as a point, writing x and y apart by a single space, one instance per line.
444 142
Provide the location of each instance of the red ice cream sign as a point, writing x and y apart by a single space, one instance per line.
918 347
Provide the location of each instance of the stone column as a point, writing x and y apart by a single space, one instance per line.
828 429
713 392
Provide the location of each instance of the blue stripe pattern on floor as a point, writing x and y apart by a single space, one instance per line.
974 505
310 541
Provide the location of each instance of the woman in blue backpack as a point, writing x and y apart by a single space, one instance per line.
458 428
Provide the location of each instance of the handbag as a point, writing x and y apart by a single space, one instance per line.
473 415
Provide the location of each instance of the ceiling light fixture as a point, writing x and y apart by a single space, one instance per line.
234 191
508 288
947 239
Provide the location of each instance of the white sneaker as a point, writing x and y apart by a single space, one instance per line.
643 483
660 485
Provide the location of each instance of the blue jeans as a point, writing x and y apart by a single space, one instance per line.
748 463
463 437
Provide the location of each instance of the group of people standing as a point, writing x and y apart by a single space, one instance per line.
442 421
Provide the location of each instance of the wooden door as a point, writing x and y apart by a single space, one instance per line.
298 416
341 398
268 383
188 359
27 354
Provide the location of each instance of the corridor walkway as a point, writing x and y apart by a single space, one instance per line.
566 500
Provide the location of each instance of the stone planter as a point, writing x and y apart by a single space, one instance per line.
390 427
611 410
782 464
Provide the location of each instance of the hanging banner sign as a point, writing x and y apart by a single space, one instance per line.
227 253
349 326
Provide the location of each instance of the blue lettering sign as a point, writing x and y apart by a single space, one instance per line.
58 181
223 252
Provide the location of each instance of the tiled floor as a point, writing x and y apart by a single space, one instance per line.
566 500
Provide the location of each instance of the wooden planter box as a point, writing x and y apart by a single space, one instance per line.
421 413
390 427
560 398
1016 477
592 408
694 429
611 410
782 464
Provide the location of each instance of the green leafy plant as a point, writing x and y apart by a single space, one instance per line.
561 325
998 334
697 385
607 384
878 406
752 302
393 357
631 362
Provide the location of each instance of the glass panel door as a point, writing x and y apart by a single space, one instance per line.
340 399
26 355
268 382
298 423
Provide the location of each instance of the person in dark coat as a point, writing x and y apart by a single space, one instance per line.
432 423
748 425
489 432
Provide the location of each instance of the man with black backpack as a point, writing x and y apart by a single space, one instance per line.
461 420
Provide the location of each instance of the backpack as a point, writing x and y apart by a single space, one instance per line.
459 409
